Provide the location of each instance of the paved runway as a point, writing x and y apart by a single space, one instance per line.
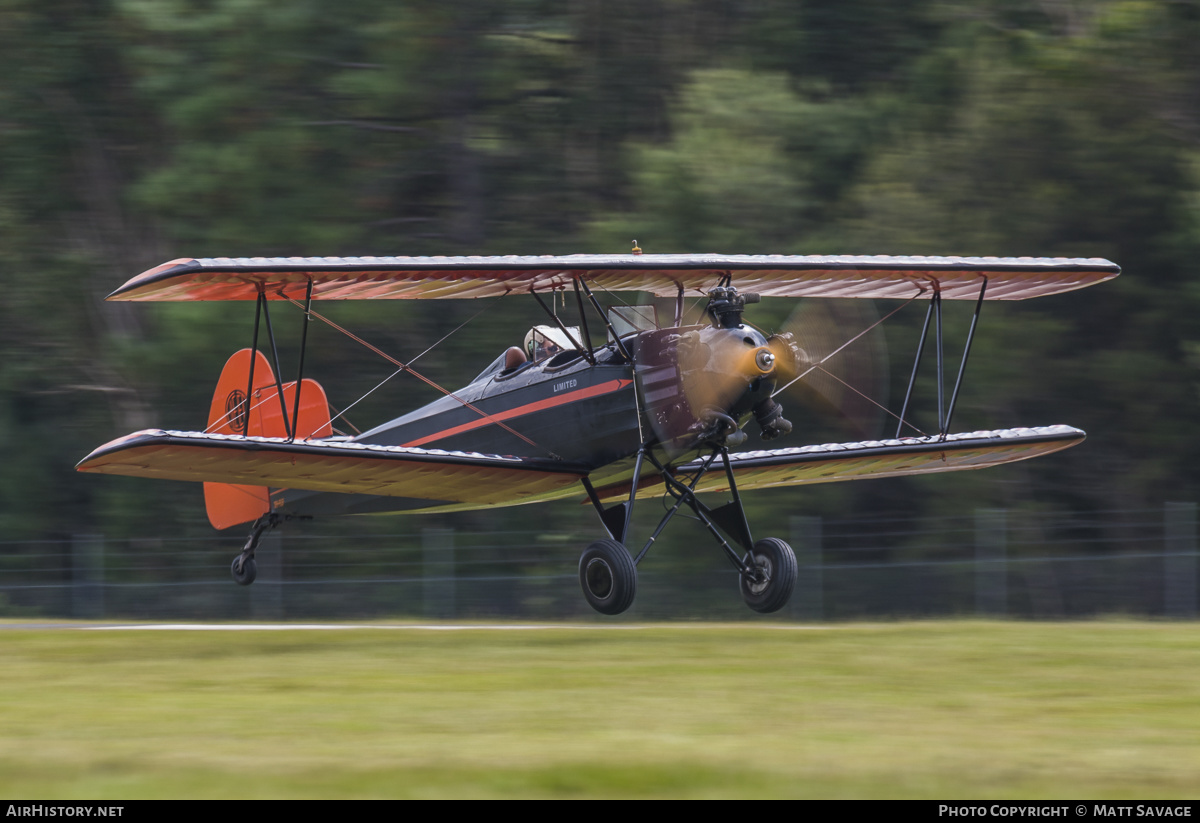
275 627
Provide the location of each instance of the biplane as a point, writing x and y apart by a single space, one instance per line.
614 408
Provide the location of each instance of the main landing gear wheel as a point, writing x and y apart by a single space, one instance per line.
774 578
608 577
243 570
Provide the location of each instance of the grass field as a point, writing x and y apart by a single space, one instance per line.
1106 709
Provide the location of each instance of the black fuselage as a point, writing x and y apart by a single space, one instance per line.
562 408
594 416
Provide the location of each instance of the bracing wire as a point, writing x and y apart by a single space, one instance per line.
401 366
400 370
229 414
840 348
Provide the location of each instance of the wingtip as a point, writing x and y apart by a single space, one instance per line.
129 289
92 462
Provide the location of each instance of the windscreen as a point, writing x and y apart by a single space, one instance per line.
629 319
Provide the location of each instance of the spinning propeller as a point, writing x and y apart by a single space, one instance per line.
700 384
840 368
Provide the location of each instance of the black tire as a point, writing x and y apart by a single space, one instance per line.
776 580
608 577
248 573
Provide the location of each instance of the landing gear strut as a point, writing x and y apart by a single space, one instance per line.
767 569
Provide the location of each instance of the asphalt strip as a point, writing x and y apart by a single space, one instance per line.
437 627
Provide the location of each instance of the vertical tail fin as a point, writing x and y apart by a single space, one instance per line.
266 413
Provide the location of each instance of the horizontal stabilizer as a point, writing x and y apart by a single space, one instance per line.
331 466
771 275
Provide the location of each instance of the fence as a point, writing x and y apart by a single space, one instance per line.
1042 565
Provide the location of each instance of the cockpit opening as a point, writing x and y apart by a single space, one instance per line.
543 342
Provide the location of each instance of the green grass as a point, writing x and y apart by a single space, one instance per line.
924 709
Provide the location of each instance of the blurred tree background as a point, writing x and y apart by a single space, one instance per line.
136 131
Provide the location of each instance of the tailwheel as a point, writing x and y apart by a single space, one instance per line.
243 570
775 573
608 577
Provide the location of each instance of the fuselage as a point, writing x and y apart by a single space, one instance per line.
594 416
560 408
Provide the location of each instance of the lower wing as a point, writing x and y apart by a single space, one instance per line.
332 466
455 479
831 462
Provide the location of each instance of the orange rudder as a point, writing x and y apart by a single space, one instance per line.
229 504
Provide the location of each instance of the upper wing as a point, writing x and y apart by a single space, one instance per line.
441 477
353 278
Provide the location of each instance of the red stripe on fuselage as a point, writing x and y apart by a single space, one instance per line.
528 408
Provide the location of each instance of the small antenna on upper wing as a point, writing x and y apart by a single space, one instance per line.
636 249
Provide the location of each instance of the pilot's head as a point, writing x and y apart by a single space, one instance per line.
546 341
